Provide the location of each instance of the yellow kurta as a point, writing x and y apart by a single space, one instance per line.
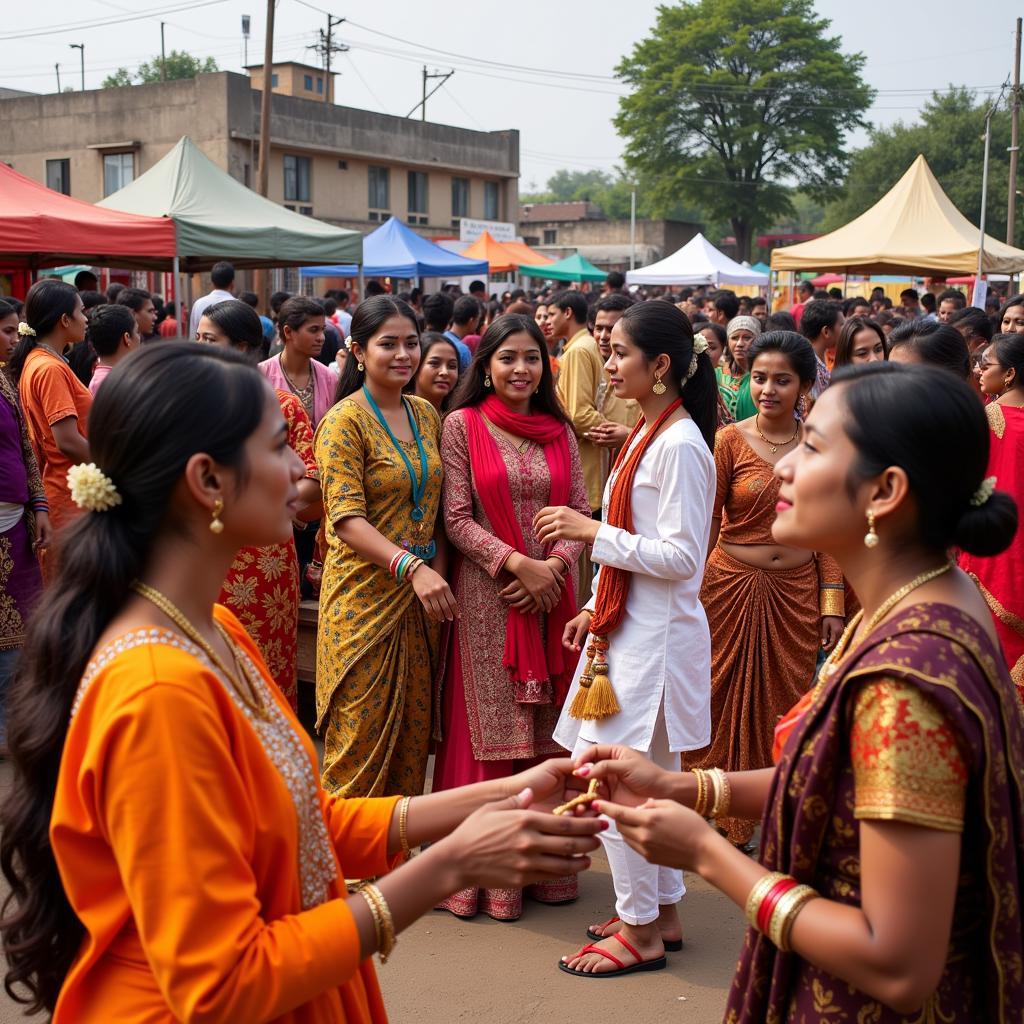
580 375
376 649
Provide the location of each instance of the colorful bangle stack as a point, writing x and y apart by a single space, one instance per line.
39 505
773 905
403 565
714 794
383 924
403 826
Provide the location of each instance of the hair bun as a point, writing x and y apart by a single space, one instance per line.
987 529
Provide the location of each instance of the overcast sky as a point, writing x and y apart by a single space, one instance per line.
544 68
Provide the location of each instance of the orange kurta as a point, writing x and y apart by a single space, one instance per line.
180 848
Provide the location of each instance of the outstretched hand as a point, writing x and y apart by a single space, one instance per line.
626 776
661 831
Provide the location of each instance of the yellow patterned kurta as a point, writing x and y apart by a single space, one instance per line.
376 649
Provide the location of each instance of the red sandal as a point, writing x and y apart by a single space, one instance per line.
641 965
671 945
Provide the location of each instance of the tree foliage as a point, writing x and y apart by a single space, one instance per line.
734 100
950 135
178 64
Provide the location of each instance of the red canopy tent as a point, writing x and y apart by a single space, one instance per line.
42 228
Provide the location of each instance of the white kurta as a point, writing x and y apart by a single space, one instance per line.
661 652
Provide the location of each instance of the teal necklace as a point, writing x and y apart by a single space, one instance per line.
419 484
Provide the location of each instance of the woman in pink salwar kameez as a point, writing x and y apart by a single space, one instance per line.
508 452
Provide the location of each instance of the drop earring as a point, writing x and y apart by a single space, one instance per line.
360 367
487 380
659 386
216 526
871 537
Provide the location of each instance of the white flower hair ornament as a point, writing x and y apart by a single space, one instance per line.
985 491
700 346
24 329
348 342
91 488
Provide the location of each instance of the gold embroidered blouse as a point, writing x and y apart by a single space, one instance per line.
906 764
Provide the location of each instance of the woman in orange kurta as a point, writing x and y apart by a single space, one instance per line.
170 852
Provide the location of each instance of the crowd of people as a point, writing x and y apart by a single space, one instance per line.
719 565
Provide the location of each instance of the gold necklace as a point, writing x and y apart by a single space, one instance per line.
774 446
177 616
831 665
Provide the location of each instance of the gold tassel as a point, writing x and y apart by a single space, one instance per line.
595 698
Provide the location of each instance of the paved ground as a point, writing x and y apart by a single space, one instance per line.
445 969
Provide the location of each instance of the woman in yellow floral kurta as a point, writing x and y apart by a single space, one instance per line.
376 647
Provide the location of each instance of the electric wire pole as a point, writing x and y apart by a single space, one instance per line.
326 48
1011 203
427 75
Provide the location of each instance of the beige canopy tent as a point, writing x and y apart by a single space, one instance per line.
914 229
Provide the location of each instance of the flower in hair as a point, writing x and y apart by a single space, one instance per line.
23 329
348 342
91 488
700 346
985 491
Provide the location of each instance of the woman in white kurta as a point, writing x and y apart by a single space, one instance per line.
659 654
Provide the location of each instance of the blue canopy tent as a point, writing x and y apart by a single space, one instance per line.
395 250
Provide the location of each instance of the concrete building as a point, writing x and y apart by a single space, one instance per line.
293 79
561 228
340 164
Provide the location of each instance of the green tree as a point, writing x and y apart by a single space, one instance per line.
178 65
950 135
732 99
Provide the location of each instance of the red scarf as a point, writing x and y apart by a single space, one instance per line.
526 657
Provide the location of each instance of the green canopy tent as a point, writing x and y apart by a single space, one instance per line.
572 268
218 218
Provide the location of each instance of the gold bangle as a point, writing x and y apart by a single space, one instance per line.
723 794
785 913
382 915
375 914
403 825
758 892
413 566
832 601
700 804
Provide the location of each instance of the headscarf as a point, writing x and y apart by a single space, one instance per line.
743 323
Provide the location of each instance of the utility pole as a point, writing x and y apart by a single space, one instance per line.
1011 203
632 230
163 55
427 75
263 175
81 49
245 40
326 48
57 66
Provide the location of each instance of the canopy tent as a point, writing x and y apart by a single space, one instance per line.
525 256
572 268
218 218
824 280
42 228
498 257
698 262
395 250
761 268
914 229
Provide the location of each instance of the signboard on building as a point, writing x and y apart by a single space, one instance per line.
501 231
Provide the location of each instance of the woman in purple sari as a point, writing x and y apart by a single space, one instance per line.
890 880
24 523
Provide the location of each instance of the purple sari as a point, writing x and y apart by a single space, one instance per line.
809 831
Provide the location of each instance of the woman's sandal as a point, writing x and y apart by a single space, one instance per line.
641 965
671 945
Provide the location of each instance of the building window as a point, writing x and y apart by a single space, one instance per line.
118 171
418 193
380 188
307 81
460 197
58 176
550 236
320 85
296 178
273 81
492 210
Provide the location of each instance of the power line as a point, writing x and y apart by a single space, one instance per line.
79 26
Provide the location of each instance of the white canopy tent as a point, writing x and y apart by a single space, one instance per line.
698 262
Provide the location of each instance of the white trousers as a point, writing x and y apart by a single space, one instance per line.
641 888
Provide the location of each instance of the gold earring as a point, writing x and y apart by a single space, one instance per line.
487 380
871 537
659 386
216 526
359 367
